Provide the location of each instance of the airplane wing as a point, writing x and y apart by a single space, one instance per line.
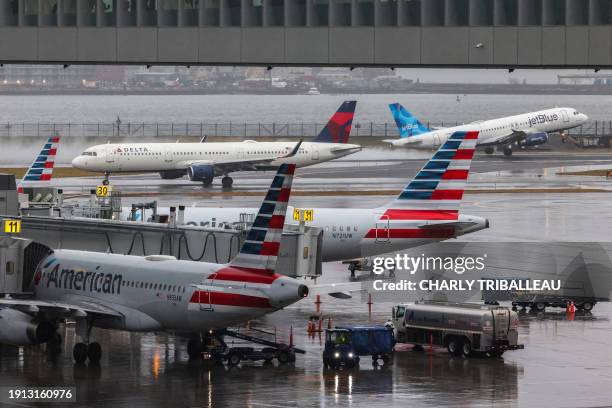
229 166
514 136
337 290
71 308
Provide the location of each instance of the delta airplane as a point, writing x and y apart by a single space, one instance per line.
426 211
39 174
204 161
156 293
525 130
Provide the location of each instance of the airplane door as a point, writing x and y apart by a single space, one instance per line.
315 152
204 294
382 229
565 115
168 154
110 155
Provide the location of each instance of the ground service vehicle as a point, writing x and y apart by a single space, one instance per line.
539 302
345 345
463 328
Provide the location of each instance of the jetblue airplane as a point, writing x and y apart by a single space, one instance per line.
525 130
204 161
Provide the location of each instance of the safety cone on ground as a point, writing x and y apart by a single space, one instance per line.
309 328
318 303
290 336
369 304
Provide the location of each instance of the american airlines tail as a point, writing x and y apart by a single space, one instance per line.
259 251
338 129
436 191
407 124
41 170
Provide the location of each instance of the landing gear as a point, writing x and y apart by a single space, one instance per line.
79 353
227 182
489 150
94 352
86 350
507 150
194 349
105 180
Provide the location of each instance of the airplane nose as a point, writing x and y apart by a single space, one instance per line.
77 162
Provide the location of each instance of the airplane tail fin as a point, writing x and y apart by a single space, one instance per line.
338 129
260 248
407 124
41 169
436 191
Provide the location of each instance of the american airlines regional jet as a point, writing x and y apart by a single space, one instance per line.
204 161
524 130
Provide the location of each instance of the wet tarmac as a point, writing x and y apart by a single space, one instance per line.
566 363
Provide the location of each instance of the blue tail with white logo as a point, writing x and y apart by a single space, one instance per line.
407 124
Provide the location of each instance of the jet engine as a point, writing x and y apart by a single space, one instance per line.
535 139
202 172
20 329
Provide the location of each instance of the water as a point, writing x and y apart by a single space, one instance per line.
281 108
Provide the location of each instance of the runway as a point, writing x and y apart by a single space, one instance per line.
523 170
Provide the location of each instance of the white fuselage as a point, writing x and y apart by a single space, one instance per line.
157 157
545 121
347 233
158 295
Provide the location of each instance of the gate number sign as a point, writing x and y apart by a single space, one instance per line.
12 226
303 215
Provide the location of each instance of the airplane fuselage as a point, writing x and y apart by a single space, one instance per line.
158 294
544 121
347 233
159 157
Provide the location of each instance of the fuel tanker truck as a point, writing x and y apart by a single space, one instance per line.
463 328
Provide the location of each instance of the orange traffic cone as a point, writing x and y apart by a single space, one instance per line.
318 303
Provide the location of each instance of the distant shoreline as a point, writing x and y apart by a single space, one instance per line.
416 88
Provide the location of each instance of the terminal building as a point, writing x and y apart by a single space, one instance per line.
509 33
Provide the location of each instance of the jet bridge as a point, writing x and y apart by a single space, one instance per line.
299 255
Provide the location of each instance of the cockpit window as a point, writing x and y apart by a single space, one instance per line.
86 153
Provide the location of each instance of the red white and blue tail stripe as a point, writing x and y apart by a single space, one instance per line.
260 249
41 169
436 191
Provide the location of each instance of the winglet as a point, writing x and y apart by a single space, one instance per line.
406 123
338 129
259 251
294 151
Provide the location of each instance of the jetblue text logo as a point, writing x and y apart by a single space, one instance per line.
542 118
